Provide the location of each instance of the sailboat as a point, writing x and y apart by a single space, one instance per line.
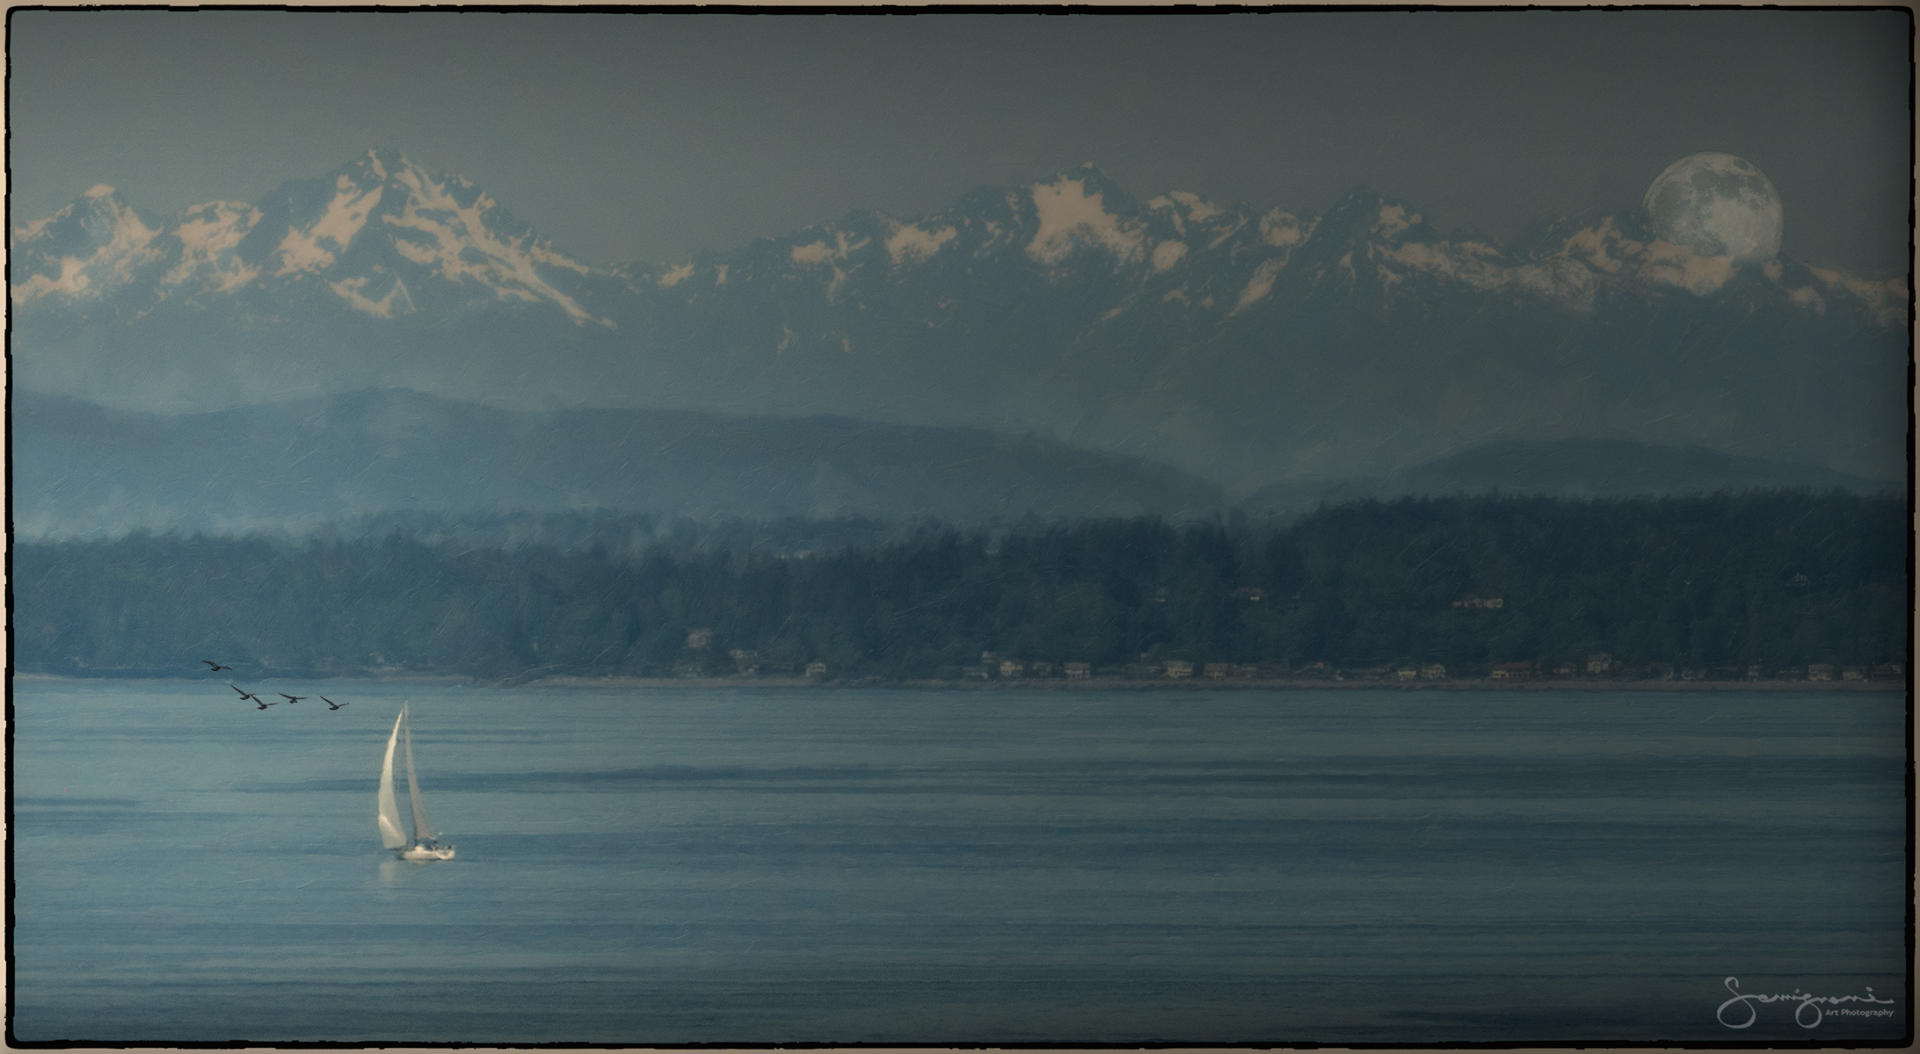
421 845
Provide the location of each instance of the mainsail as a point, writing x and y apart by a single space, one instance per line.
391 836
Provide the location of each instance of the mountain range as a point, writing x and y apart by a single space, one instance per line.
1575 469
82 469
383 456
1245 347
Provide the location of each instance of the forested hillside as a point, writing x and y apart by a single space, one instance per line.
1727 582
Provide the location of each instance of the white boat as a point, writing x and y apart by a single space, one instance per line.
421 844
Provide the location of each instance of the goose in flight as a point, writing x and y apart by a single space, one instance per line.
331 705
216 666
263 703
243 693
291 698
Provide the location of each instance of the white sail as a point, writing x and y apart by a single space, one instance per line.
422 830
391 836
421 846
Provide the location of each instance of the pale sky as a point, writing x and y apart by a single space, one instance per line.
648 136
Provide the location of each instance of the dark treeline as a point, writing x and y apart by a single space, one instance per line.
1773 580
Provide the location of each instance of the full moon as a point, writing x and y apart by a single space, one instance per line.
1717 205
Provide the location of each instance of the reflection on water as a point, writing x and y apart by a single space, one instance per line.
761 866
394 870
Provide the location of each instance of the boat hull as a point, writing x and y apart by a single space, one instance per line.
421 852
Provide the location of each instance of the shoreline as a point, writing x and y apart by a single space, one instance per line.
1105 684
1462 684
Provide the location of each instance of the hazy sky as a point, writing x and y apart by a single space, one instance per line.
647 136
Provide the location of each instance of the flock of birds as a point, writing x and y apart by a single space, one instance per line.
215 667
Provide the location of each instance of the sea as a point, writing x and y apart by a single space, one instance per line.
819 865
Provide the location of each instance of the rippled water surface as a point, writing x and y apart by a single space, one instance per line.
762 866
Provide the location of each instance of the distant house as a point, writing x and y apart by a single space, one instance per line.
1407 673
1433 671
1853 673
1514 671
1888 671
1178 669
1600 662
698 639
1820 671
816 669
977 673
1079 671
1012 668
745 663
1251 594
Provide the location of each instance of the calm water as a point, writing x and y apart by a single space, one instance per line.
760 866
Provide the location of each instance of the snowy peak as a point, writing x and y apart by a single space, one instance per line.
386 237
373 167
310 223
1363 214
1083 210
917 242
1183 207
381 229
94 245
204 243
1619 249
1077 219
94 220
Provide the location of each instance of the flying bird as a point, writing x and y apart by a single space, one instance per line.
331 705
216 666
263 703
243 693
291 698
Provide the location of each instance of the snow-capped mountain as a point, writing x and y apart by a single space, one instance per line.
88 251
384 237
1246 345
